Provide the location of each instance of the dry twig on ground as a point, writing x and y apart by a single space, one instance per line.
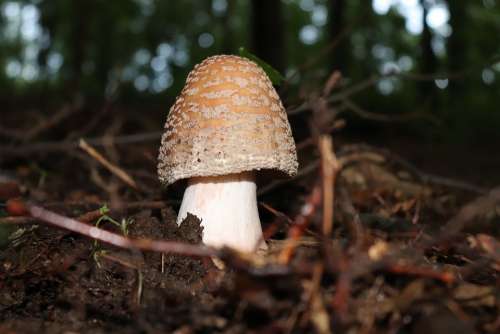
120 173
111 238
46 124
472 213
58 146
329 169
391 157
300 223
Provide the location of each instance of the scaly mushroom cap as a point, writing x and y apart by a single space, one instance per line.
228 119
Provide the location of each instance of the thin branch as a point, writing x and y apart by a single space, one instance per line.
277 213
279 183
55 120
329 169
114 239
412 270
329 48
120 173
353 220
379 117
301 222
362 85
422 176
471 213
17 220
58 146
96 214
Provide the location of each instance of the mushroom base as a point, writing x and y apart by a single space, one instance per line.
227 208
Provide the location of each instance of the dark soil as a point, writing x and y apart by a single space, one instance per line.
385 275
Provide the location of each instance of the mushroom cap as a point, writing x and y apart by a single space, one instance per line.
228 119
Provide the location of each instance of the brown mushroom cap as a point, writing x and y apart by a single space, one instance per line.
228 119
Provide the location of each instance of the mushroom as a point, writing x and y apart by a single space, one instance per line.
227 123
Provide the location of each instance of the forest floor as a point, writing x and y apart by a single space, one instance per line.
411 252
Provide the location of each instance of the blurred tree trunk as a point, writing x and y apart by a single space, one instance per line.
457 43
339 56
428 61
105 53
457 48
78 36
267 32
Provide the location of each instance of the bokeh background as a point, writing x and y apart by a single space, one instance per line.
438 59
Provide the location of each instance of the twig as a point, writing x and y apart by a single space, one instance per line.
329 169
357 87
318 315
340 96
117 240
89 216
271 229
471 212
96 214
340 300
53 121
229 256
301 222
443 276
58 146
360 86
45 125
379 117
275 212
121 261
120 173
134 266
110 99
17 220
354 220
278 183
450 183
329 48
17 134
332 82
490 245
420 175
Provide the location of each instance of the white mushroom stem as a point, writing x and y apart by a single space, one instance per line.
227 208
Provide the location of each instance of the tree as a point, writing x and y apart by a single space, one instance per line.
267 32
81 10
428 60
336 23
457 45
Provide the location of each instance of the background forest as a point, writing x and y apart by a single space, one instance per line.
435 59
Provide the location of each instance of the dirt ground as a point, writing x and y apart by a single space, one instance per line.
409 254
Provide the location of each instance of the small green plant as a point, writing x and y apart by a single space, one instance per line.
123 225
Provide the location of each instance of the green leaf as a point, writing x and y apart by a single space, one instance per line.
272 73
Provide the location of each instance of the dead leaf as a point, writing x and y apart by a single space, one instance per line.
475 295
